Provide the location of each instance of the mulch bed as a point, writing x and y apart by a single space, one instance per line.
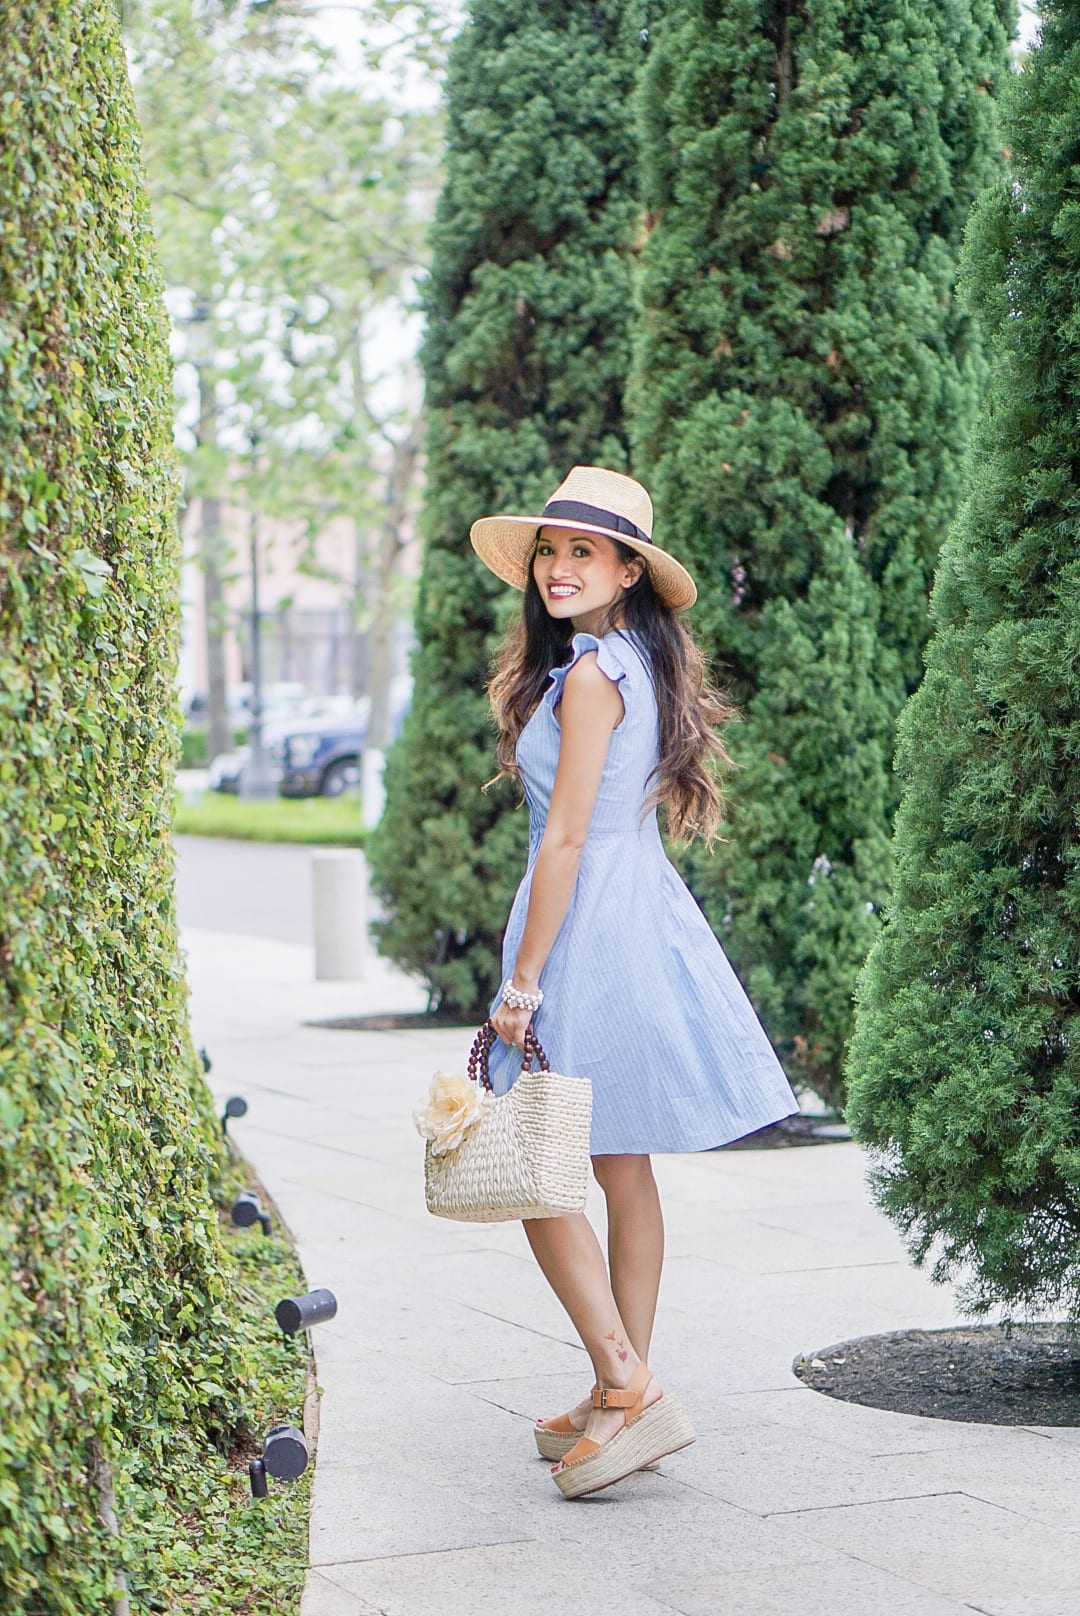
412 1021
800 1129
992 1374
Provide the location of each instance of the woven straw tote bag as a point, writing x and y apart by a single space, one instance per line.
527 1153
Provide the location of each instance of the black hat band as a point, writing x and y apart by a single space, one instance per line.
594 516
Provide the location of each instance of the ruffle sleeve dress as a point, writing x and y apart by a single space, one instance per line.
639 996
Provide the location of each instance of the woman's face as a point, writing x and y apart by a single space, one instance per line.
580 575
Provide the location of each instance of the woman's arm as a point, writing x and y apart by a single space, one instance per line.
590 709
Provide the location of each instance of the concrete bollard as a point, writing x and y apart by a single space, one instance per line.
372 791
339 889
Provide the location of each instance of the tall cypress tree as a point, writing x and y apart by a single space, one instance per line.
804 381
525 360
965 1060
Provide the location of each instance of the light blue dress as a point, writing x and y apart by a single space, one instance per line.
639 996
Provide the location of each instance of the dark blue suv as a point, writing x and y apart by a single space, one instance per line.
321 757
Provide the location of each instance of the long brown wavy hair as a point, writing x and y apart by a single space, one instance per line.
691 708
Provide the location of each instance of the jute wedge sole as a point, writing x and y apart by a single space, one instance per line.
663 1428
557 1444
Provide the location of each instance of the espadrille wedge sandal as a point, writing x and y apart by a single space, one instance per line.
556 1437
647 1435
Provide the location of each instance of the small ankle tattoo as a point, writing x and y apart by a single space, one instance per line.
620 1346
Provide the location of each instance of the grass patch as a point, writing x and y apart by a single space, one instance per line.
315 821
198 1544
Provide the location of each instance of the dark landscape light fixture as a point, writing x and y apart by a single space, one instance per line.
285 1456
301 1312
204 1056
248 1209
236 1106
285 1452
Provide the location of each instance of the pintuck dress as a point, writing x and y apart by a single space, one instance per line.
639 996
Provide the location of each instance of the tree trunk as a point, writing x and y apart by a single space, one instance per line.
211 556
105 1498
358 637
381 589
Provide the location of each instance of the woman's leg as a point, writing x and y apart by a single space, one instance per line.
573 1264
635 1242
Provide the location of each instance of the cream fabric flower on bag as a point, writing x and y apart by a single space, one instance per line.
452 1105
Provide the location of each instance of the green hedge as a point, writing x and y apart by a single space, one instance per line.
116 1295
195 745
527 349
802 392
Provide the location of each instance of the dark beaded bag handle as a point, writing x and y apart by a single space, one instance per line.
482 1047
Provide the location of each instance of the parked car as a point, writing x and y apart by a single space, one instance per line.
314 756
227 770
320 757
324 756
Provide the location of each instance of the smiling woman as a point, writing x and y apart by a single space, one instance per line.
605 714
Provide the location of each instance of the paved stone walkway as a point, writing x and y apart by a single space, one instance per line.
429 1499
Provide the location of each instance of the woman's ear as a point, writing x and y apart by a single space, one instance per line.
635 568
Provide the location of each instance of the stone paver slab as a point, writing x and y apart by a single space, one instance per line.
1030 1475
806 1413
324 1597
762 1469
1029 1605
953 1544
363 1512
520 1579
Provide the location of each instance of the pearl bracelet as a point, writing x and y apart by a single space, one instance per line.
517 1000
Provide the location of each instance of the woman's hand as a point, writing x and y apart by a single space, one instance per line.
510 1024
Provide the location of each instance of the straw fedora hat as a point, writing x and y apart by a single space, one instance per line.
590 500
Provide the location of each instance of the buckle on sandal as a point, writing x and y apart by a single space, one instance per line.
603 1397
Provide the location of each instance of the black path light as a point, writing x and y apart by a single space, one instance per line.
204 1056
301 1312
248 1209
285 1456
236 1106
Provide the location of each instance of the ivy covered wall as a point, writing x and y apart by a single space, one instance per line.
114 1298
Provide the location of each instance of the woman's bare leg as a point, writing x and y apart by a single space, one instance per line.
635 1242
570 1257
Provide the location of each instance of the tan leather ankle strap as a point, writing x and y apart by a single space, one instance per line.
622 1396
613 1397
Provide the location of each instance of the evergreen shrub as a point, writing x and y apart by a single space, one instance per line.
964 1066
804 383
115 1310
525 359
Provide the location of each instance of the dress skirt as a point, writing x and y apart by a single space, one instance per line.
639 996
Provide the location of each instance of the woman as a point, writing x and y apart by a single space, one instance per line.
603 715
